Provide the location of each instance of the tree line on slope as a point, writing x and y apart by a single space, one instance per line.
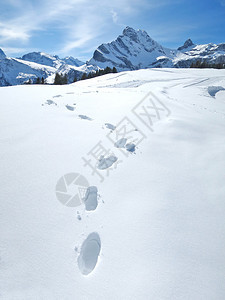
62 79
204 65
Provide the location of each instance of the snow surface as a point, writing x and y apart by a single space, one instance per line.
158 231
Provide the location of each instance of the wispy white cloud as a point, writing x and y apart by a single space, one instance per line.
68 13
114 16
81 21
12 33
10 51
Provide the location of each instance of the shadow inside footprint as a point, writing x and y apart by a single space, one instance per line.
110 126
131 147
91 198
70 107
84 117
89 253
50 102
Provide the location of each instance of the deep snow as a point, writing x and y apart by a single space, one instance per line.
157 230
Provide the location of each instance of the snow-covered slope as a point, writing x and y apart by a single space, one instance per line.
157 229
15 71
135 49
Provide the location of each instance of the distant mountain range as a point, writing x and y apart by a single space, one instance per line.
132 50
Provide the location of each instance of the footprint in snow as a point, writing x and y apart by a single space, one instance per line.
131 147
110 126
71 108
106 162
57 96
122 143
89 253
85 117
91 198
50 102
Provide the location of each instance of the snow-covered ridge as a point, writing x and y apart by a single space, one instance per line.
135 49
15 71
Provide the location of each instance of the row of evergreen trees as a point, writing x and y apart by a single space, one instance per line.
62 79
38 81
203 64
107 70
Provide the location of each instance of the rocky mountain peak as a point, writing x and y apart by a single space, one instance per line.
188 43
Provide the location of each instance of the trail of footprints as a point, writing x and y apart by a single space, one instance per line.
91 247
105 162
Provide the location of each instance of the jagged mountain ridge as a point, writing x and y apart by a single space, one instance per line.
135 49
51 60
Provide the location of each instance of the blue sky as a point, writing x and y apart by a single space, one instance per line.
78 27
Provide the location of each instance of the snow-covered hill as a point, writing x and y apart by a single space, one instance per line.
135 49
156 229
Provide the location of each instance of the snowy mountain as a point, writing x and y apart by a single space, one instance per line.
190 53
187 44
136 50
69 60
50 60
43 59
15 71
153 229
133 50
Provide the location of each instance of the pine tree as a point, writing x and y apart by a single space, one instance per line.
114 70
42 80
38 81
57 79
75 79
64 79
108 70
